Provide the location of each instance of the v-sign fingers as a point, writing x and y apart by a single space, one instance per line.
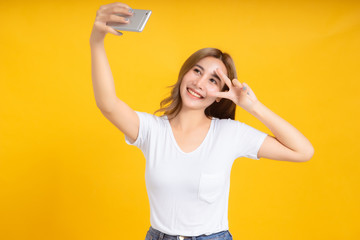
218 94
236 83
223 77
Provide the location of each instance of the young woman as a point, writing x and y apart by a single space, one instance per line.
190 149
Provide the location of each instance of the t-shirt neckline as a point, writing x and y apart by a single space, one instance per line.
176 144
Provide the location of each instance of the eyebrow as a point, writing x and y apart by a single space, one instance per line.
214 75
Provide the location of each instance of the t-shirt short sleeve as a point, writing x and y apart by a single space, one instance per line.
248 140
144 129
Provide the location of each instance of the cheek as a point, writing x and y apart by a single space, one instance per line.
183 82
214 88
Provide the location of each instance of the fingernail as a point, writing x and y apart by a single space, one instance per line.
244 88
126 19
130 10
119 33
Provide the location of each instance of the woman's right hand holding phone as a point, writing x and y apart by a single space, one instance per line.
107 13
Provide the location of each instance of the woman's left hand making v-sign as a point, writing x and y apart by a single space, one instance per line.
288 144
240 93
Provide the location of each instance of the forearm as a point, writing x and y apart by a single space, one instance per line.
283 131
102 79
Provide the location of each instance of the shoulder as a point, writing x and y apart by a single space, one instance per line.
151 118
227 127
227 123
233 127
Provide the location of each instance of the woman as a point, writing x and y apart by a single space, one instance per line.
190 149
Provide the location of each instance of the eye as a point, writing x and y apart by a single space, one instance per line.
213 81
196 70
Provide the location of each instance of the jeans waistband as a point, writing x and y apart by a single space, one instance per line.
163 236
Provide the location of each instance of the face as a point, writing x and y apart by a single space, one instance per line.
199 81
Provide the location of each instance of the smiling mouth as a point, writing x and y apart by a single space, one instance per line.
194 93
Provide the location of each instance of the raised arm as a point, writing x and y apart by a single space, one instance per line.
114 109
289 144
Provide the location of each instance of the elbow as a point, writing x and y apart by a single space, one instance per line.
308 154
303 156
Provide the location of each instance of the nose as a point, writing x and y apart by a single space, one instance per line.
200 82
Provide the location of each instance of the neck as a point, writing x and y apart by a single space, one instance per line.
187 120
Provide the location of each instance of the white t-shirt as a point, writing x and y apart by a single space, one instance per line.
189 192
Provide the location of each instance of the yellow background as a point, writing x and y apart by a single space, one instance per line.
66 171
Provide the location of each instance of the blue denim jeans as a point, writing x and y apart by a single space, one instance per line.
154 234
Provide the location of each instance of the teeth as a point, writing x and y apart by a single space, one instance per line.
194 94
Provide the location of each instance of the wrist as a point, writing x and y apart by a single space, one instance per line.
96 39
256 109
96 43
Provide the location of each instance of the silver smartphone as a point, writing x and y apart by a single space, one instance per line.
136 22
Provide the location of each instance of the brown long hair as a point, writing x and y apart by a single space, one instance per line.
223 109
